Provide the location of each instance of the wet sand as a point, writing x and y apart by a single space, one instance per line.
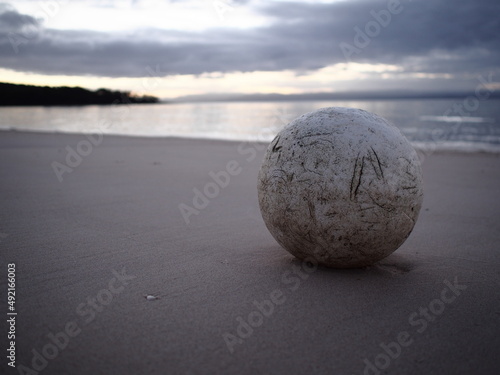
89 248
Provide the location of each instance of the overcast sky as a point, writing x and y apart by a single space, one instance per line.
172 48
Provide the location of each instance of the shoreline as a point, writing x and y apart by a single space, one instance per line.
421 149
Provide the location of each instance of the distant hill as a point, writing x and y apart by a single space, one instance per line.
371 95
23 95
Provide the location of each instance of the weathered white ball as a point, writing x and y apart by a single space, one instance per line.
341 186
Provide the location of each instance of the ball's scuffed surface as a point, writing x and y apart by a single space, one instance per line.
340 185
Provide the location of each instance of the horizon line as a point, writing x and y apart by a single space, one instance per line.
347 95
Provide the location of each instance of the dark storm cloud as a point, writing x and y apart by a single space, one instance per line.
444 36
461 33
12 21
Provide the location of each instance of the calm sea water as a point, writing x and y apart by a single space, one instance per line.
436 124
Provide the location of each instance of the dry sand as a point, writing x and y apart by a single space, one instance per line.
437 297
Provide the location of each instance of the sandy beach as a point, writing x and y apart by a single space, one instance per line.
95 226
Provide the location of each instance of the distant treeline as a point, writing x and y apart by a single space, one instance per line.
11 94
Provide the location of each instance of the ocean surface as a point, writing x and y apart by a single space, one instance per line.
466 125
